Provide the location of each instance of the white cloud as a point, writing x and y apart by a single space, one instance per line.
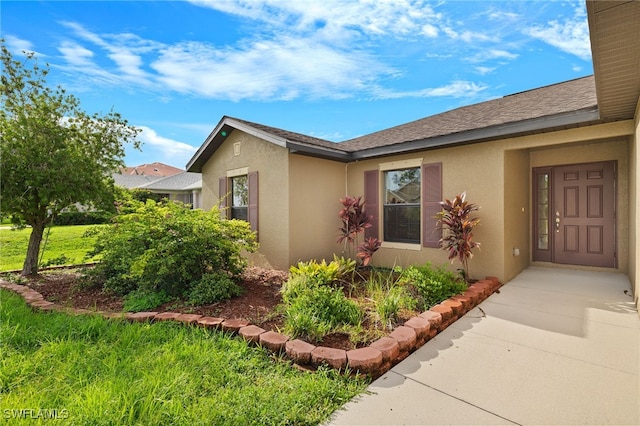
76 55
125 50
266 70
429 30
19 46
570 35
171 150
484 70
493 54
499 15
336 18
456 89
468 36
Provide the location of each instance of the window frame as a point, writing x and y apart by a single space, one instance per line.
239 211
391 232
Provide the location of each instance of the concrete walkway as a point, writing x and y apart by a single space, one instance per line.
554 346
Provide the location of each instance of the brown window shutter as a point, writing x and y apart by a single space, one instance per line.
371 197
223 196
253 201
431 197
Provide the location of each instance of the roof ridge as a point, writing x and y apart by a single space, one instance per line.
544 87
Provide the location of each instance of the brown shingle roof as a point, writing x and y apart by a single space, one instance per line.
291 136
562 105
153 169
573 95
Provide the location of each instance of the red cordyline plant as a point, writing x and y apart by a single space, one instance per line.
354 221
367 248
455 219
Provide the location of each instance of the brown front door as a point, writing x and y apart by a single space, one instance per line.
581 214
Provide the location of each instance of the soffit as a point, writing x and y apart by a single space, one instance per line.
614 28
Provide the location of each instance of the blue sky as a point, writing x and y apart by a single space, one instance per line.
333 69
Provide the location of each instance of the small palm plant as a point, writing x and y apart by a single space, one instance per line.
455 219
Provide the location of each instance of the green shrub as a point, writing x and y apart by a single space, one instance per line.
324 273
82 218
389 296
144 300
319 310
313 307
168 247
60 260
432 284
213 288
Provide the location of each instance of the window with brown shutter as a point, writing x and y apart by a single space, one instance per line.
431 197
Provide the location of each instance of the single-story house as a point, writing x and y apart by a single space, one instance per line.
185 187
554 169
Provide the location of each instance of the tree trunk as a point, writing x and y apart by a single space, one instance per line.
31 261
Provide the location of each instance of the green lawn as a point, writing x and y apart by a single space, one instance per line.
65 241
96 371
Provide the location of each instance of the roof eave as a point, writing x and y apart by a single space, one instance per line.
502 131
210 145
215 140
319 152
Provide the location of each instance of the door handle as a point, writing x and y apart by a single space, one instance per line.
557 221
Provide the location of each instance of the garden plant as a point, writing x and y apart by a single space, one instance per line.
457 224
157 251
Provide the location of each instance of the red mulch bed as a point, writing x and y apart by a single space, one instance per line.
258 304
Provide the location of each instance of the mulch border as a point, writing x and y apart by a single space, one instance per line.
375 359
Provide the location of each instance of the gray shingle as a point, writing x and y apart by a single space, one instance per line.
573 95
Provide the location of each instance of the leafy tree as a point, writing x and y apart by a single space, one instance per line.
53 153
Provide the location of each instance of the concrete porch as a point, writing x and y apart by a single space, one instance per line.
555 346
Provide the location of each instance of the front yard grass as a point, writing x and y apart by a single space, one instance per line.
66 243
98 371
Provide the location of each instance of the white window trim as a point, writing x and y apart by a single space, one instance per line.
399 165
402 246
238 172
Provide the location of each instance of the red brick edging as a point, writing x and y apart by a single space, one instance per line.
375 359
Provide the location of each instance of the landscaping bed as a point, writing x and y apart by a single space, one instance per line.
256 317
260 302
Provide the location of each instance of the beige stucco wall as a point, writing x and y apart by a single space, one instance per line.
315 186
476 169
497 176
634 212
298 197
517 213
271 163
606 150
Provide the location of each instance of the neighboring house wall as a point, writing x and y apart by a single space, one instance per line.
272 164
315 187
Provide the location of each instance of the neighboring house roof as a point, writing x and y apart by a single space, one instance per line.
184 181
563 105
133 181
153 169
